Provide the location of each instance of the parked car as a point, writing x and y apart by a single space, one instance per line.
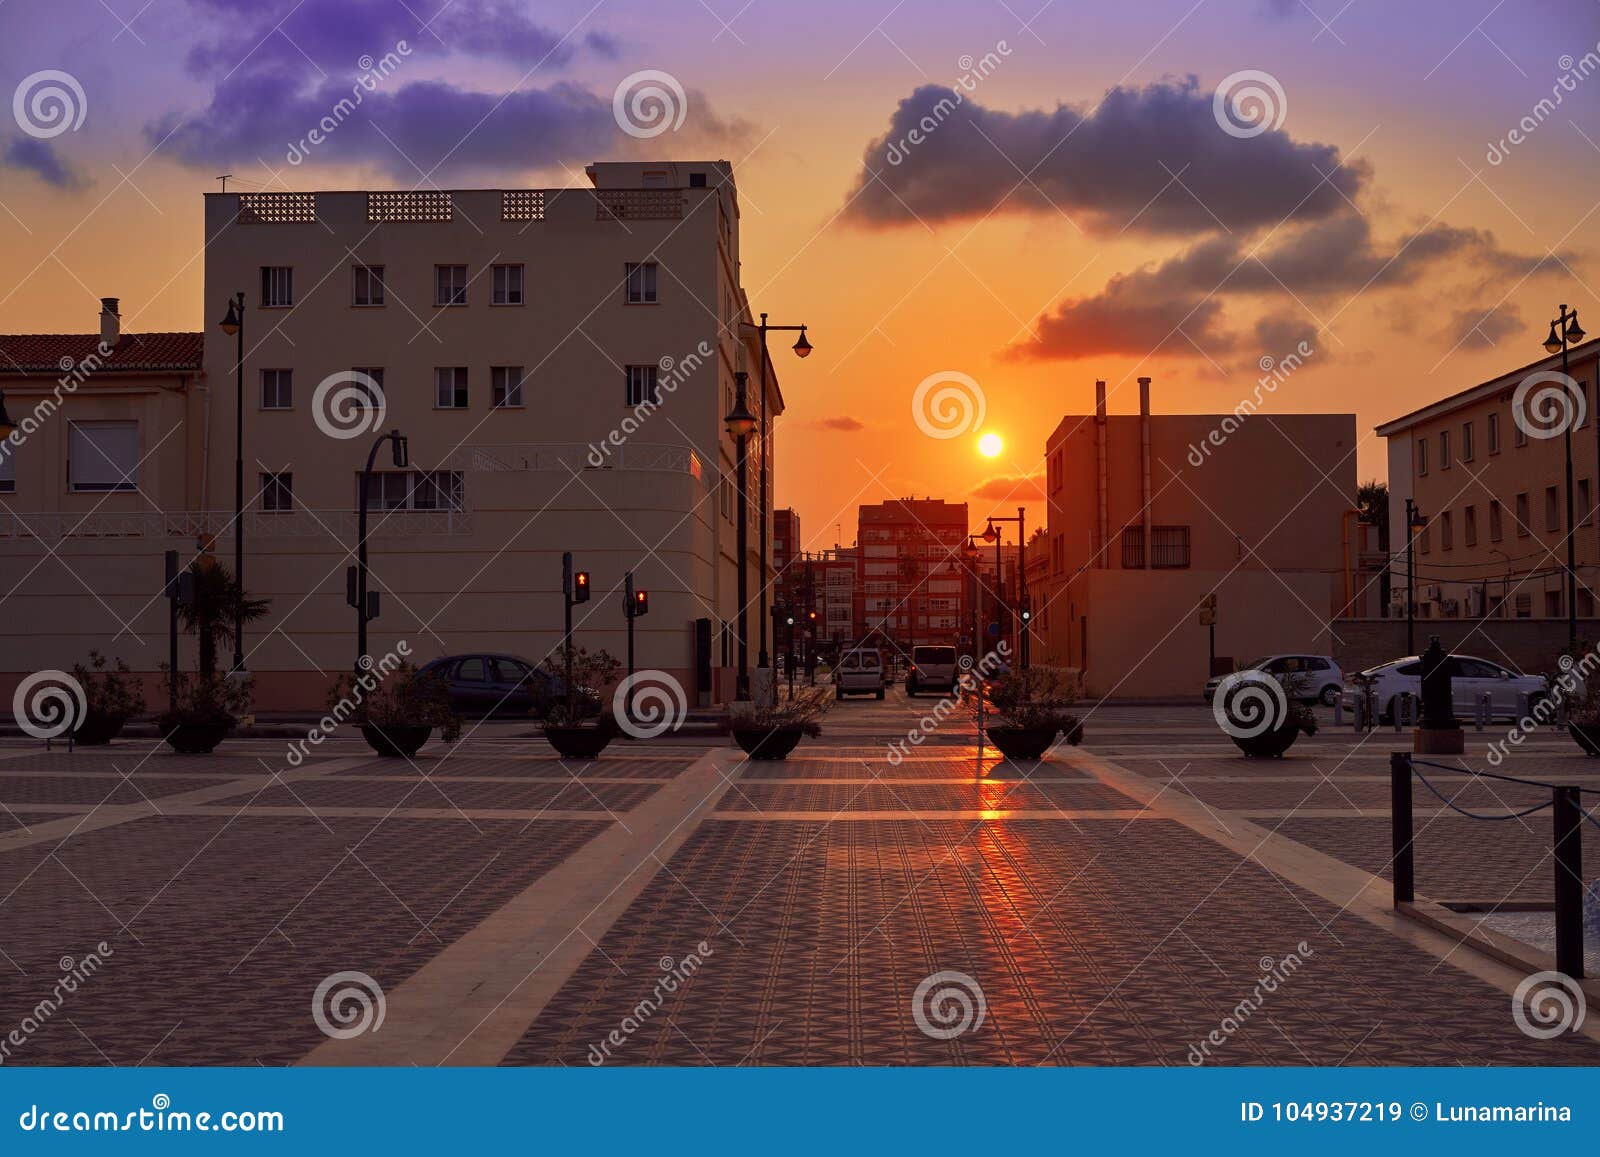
491 684
1323 681
860 672
1473 676
932 669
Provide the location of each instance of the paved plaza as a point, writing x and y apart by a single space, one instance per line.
671 903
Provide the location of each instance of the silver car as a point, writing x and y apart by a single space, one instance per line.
1321 678
1510 692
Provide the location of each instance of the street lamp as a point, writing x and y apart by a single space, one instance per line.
1565 330
802 349
1414 523
233 326
741 424
1022 579
358 593
969 556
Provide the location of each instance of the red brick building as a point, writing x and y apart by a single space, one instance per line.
910 583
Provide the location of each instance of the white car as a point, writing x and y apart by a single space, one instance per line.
933 668
1321 678
1510 692
860 672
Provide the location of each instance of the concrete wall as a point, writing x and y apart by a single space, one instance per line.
1530 645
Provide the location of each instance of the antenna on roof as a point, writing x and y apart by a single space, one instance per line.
224 180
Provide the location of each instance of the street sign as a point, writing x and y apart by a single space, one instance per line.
1208 616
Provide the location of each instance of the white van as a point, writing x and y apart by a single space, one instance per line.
860 672
932 669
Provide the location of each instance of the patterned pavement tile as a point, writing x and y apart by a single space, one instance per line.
994 794
232 925
68 789
1109 944
516 768
438 793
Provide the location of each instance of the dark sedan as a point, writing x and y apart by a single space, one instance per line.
488 684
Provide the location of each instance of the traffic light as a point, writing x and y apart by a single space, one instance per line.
580 586
641 603
1027 614
811 617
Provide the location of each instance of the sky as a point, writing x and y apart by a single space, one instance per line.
977 206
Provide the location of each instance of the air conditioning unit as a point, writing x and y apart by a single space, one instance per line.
1431 592
1451 608
1475 601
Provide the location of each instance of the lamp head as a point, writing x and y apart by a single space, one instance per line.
802 348
232 322
1553 343
402 449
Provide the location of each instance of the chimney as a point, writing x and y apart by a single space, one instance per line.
1144 453
1102 523
110 322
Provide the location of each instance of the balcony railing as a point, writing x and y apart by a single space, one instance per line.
341 525
572 456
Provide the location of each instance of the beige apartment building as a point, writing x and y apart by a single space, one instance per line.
560 362
1493 496
1149 514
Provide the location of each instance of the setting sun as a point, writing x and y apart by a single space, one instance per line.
990 445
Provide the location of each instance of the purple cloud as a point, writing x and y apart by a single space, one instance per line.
39 158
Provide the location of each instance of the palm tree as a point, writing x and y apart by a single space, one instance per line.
210 616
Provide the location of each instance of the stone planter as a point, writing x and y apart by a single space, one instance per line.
1269 744
1022 742
97 729
768 742
578 742
1587 736
197 738
396 740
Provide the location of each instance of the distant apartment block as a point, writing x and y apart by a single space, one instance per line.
910 575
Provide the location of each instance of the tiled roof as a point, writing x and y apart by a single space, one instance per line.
56 353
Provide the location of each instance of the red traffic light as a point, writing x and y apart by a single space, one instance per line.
641 603
580 587
811 616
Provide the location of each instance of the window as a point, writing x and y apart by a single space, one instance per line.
507 285
1169 547
102 456
698 181
368 282
375 392
642 386
1524 606
1469 525
277 389
8 470
473 670
415 490
1466 442
277 286
655 179
505 386
1552 508
1444 449
1494 521
1552 605
450 387
1493 424
641 282
1446 539
1520 438
277 491
1422 457
1133 548
1524 516
449 285
1585 509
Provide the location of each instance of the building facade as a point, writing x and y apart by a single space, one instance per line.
910 574
560 363
1487 468
1150 514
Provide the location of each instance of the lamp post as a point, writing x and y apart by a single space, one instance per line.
1414 523
741 423
1022 577
364 611
233 326
802 348
969 557
1563 331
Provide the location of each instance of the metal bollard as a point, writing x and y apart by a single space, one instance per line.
1338 711
1400 828
1481 710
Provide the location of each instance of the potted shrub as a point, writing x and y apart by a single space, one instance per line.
204 710
1262 716
398 712
1027 709
1578 697
577 725
111 697
773 732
